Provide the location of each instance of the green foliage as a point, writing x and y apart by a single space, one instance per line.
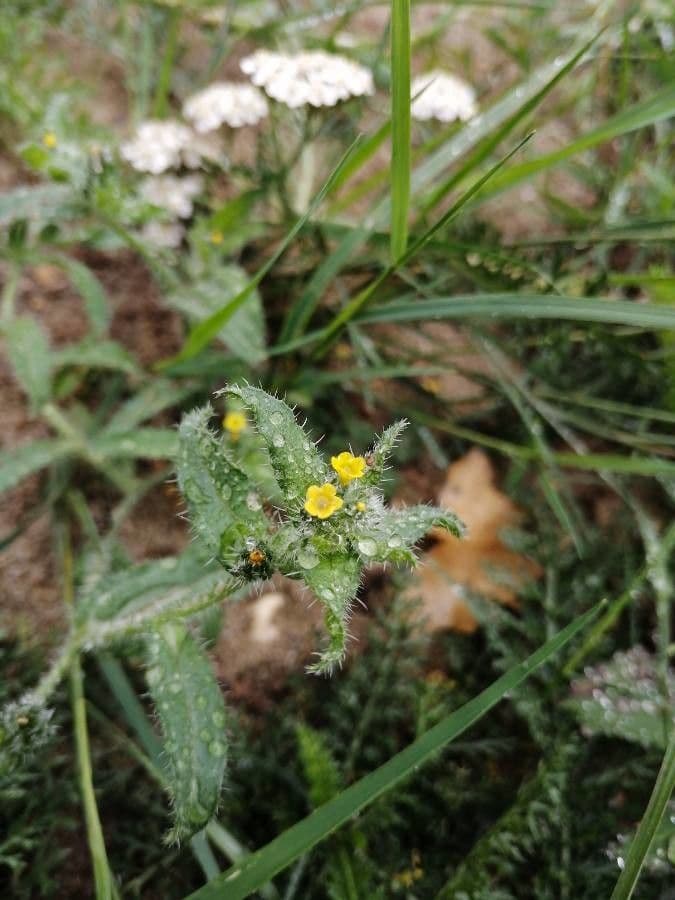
623 698
326 551
29 354
191 711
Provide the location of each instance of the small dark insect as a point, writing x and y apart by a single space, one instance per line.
254 562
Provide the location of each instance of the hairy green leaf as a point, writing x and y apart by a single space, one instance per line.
191 711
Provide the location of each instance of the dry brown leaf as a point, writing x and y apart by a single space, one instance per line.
453 567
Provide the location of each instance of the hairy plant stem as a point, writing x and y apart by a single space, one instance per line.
99 634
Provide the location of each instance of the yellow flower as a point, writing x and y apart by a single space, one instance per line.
216 237
348 466
49 139
360 506
322 501
235 422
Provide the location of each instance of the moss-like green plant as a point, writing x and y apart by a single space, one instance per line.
332 520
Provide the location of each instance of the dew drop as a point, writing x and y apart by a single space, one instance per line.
276 419
395 541
367 546
218 718
278 440
216 748
308 558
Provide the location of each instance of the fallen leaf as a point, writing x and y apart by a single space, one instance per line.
480 563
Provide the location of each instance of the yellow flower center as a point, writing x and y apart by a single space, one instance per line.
322 501
50 140
216 237
348 466
235 422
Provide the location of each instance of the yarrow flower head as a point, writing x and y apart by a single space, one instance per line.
348 466
174 194
310 78
156 146
322 500
442 96
225 103
163 234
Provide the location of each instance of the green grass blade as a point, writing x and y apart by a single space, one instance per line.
499 134
639 847
503 110
526 306
363 297
656 109
244 878
207 329
400 126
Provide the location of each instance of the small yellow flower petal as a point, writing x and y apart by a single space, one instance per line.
216 237
322 500
235 422
50 140
348 466
360 506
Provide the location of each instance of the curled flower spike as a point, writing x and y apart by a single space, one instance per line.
235 422
348 466
322 500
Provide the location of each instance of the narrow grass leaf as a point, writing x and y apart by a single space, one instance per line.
400 126
247 876
641 115
526 306
499 134
355 305
639 847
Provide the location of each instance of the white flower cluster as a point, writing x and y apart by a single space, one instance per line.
442 96
225 103
163 234
173 194
313 77
158 146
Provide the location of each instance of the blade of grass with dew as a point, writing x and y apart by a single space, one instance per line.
207 329
483 125
400 126
511 109
641 115
639 847
246 877
627 465
355 305
525 306
493 140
